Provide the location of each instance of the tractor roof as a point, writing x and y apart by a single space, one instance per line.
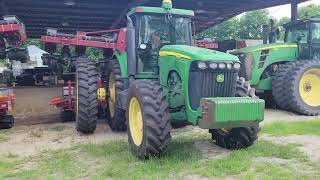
160 10
301 21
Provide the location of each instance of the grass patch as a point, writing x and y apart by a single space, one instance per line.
11 155
240 161
287 128
37 133
58 128
113 160
3 138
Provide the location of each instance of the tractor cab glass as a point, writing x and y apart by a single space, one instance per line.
297 33
307 35
156 31
315 40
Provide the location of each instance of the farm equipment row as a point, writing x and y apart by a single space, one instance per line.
12 37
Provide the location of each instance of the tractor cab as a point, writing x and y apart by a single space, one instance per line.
307 34
156 27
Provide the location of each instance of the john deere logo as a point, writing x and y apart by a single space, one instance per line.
220 78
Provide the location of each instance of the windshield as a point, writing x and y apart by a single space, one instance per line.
155 31
160 30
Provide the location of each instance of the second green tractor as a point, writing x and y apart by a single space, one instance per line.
288 71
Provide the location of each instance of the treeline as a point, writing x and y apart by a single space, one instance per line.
249 25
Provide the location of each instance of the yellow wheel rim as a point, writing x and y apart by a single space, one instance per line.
135 121
309 87
112 94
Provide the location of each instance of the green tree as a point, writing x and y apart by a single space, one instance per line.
311 10
227 30
36 42
251 24
94 53
282 21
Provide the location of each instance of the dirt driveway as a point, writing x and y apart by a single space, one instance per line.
32 105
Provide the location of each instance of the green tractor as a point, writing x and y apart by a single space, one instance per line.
288 71
161 80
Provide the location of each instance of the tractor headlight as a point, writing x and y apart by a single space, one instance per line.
237 66
229 66
222 65
202 65
213 65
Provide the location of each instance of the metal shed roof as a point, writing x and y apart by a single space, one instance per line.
84 15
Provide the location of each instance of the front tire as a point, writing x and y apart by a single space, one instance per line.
235 138
86 96
149 119
240 137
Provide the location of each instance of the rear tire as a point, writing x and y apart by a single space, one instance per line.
7 122
240 137
115 115
149 119
279 89
67 116
304 88
86 96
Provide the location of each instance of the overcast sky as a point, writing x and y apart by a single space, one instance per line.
285 10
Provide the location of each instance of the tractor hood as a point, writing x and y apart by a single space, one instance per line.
266 47
196 53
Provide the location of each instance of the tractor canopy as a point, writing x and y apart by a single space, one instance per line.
160 10
302 21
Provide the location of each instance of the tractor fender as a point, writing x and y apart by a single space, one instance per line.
122 59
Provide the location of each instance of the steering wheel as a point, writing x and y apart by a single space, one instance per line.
162 35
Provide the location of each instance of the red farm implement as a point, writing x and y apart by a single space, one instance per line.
208 44
7 99
107 40
13 35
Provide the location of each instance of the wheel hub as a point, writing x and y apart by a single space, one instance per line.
309 87
135 121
